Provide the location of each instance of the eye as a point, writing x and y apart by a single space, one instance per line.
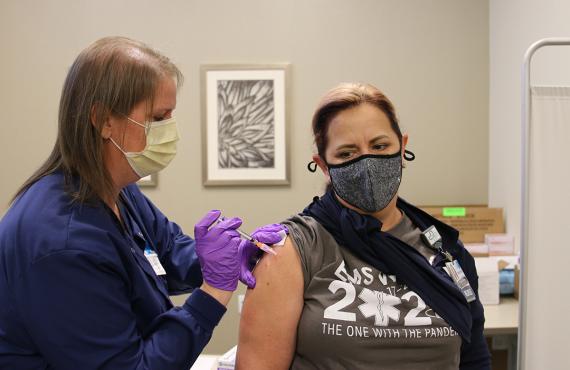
379 146
161 115
344 155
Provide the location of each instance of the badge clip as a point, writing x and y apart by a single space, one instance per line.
432 238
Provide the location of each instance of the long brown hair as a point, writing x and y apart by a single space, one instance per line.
345 96
110 76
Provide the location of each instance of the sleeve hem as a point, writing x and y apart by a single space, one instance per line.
207 310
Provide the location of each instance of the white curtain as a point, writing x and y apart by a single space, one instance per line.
547 325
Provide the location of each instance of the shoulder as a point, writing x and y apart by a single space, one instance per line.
300 224
279 280
314 245
306 232
44 198
278 268
277 276
40 217
45 221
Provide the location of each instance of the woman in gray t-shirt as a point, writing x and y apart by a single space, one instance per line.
339 295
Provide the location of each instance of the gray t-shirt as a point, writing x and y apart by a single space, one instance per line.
409 233
356 317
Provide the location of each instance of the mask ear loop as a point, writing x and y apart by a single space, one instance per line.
409 156
312 166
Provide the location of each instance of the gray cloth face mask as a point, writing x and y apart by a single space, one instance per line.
368 182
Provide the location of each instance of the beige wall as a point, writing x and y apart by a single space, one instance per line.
430 57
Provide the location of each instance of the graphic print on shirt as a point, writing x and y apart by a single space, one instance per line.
388 308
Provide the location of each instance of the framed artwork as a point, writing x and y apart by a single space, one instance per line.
244 124
149 181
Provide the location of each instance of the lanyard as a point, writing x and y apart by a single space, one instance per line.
433 239
149 253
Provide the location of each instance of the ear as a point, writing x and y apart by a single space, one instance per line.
404 141
322 165
404 144
106 127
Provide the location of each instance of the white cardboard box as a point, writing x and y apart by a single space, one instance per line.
500 244
477 249
488 271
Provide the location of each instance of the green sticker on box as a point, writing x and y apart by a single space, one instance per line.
454 212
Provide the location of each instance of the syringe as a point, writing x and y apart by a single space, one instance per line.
264 247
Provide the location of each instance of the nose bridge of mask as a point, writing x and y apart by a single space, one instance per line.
160 148
158 132
387 181
162 132
370 169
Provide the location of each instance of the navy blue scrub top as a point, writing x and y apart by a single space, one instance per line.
77 292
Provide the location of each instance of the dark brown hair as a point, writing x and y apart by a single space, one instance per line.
110 76
345 96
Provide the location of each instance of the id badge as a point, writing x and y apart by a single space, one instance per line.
152 258
459 278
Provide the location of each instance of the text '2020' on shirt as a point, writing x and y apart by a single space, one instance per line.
356 317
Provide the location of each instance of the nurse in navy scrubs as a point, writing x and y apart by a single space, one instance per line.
87 262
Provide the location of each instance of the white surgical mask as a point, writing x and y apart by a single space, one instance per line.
160 149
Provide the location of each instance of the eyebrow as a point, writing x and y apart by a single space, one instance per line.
162 110
350 146
379 137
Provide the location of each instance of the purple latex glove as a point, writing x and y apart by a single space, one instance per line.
249 254
217 249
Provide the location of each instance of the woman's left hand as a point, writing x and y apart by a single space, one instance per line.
249 254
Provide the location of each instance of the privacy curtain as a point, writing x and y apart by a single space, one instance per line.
547 323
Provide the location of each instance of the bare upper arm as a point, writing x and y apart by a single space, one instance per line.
271 311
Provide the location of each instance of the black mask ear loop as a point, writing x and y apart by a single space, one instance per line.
409 156
312 166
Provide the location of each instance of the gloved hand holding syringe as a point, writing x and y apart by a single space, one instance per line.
257 243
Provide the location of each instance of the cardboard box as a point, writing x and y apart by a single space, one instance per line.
500 244
506 262
488 271
477 249
473 222
227 361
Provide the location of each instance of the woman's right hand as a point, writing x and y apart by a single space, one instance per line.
217 249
